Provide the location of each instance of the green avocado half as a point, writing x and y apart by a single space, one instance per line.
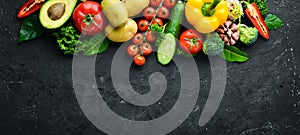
54 13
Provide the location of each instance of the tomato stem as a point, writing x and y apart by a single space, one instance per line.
148 29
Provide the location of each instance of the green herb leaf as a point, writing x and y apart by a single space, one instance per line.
157 28
67 38
233 54
273 22
30 29
97 44
104 46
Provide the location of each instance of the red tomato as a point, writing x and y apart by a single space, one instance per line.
191 41
155 3
137 38
150 36
132 50
139 60
169 3
89 18
29 7
146 49
143 25
163 12
149 13
158 21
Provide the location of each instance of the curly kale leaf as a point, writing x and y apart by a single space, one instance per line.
67 39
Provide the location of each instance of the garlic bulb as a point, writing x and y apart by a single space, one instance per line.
229 33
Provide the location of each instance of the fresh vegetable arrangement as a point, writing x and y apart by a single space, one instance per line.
216 26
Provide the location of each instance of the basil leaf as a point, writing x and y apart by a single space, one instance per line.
30 29
97 44
233 54
273 22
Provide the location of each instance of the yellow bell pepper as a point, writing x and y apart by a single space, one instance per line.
206 15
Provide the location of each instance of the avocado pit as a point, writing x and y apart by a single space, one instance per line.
56 11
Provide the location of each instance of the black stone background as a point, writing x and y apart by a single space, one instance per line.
262 95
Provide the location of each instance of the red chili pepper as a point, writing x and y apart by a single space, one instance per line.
257 20
30 7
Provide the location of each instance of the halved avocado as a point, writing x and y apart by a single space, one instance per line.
54 13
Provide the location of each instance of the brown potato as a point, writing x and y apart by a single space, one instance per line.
121 33
135 7
115 11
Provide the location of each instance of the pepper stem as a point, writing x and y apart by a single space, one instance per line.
208 9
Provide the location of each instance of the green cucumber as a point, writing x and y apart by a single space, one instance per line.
174 24
166 49
167 43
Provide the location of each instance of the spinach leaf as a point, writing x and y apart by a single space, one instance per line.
30 29
273 22
233 54
97 44
104 46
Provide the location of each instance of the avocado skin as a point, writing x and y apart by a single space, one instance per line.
53 24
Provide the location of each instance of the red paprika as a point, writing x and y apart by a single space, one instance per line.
30 7
257 20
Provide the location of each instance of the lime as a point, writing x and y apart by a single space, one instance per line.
166 49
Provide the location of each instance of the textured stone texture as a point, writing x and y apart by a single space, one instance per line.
262 95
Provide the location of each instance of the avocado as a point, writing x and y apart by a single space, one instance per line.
54 13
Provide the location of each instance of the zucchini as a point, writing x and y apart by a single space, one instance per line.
174 24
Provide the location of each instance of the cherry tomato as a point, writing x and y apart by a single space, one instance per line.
89 18
30 7
139 60
155 3
149 13
169 3
143 25
158 21
132 50
163 12
150 36
191 41
146 49
137 38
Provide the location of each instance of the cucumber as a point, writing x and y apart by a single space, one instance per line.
166 49
174 24
167 43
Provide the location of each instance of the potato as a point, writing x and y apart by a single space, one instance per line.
134 7
121 33
115 11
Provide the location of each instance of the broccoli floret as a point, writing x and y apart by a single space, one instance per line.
213 45
248 35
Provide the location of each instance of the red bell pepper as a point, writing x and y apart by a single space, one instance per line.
30 7
257 20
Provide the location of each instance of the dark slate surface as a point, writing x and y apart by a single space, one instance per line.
262 95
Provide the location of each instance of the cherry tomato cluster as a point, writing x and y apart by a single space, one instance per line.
141 46
138 51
